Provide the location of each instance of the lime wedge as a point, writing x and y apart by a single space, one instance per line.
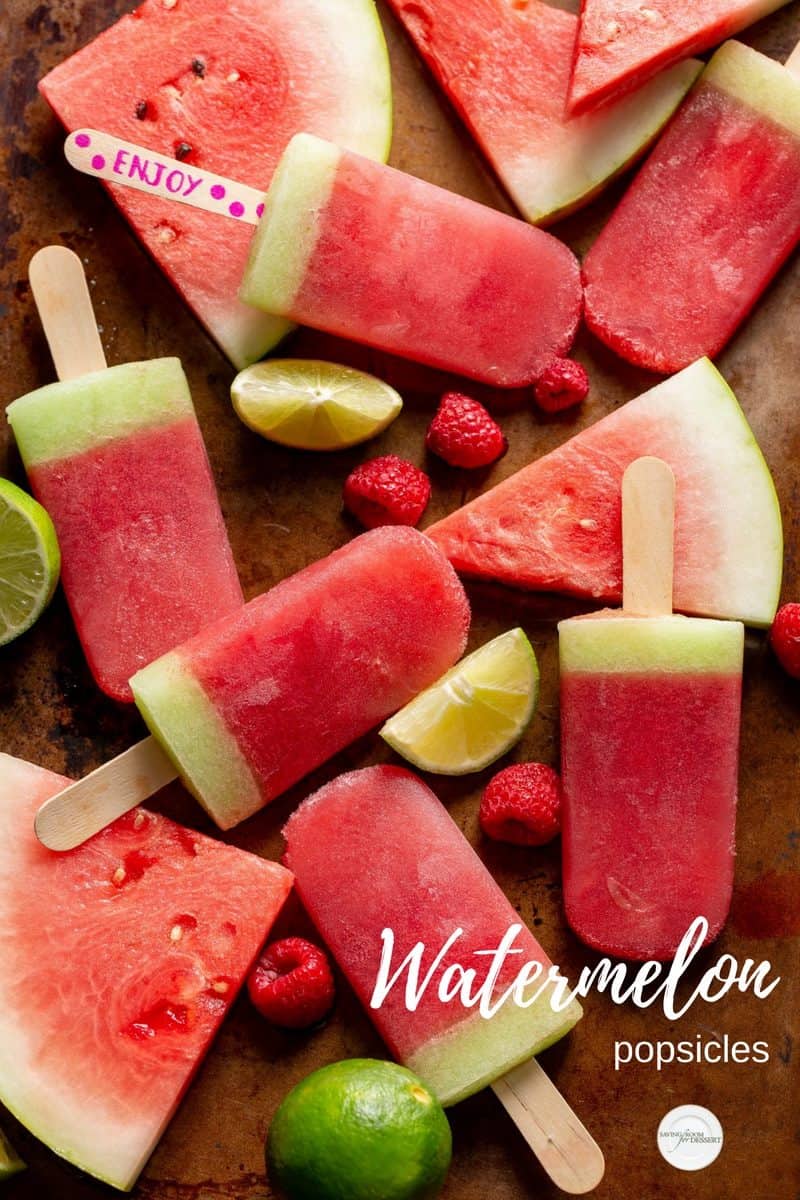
474 714
10 1161
313 405
29 561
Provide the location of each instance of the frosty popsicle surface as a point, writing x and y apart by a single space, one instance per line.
649 741
369 253
265 695
359 870
708 221
117 458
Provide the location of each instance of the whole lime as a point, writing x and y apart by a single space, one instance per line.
359 1130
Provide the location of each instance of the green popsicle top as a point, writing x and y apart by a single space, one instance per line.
758 82
286 235
76 415
611 641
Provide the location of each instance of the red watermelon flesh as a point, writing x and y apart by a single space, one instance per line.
556 525
120 960
622 43
225 84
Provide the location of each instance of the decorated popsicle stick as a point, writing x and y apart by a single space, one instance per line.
564 1147
117 161
648 519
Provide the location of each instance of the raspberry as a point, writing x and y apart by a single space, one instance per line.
785 638
562 383
464 434
522 804
387 491
292 984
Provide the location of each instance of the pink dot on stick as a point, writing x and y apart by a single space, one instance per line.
260 210
98 162
83 140
236 209
218 191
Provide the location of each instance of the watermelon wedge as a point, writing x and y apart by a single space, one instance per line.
555 526
225 84
120 960
505 68
621 45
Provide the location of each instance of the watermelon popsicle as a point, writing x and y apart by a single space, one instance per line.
116 456
359 872
268 693
707 222
367 252
649 739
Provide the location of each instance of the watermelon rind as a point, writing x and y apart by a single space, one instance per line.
758 81
287 233
76 415
619 47
728 532
196 740
330 76
82 957
505 68
612 642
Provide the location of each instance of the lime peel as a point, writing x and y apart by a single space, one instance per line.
474 714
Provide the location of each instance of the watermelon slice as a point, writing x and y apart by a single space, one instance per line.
620 45
505 67
120 960
225 84
555 526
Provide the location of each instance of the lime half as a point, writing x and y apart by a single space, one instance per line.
313 405
29 561
474 714
359 1130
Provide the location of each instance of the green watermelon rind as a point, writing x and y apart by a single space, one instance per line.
184 722
476 1052
614 642
758 81
76 415
698 402
286 235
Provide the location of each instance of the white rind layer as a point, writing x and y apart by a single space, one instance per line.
613 642
758 82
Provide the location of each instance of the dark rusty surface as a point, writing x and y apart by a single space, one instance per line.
283 510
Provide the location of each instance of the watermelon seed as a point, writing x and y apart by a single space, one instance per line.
141 110
587 523
166 233
199 67
170 3
182 151
221 986
118 878
139 820
234 77
176 933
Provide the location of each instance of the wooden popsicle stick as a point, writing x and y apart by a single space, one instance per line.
82 810
59 287
563 1146
116 161
648 522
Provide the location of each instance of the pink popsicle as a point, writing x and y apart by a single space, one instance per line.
375 849
708 221
260 698
649 736
370 253
118 460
